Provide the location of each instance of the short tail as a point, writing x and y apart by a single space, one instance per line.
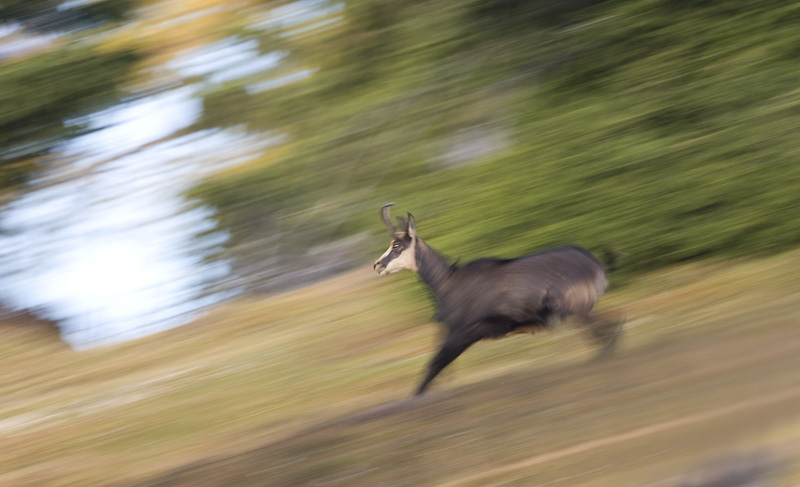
610 258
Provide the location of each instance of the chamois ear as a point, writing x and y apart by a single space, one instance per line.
411 227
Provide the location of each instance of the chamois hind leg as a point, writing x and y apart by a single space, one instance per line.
451 348
604 330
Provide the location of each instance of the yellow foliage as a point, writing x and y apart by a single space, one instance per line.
273 155
163 29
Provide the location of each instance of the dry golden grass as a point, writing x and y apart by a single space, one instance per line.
310 387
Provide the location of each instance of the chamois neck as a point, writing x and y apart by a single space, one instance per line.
432 268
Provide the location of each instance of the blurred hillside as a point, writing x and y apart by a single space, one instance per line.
664 129
310 388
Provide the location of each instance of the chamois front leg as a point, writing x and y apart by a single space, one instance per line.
451 348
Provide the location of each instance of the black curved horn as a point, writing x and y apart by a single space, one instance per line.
386 220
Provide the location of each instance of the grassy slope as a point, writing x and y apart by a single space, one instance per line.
308 388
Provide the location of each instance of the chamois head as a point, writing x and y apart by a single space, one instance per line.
402 251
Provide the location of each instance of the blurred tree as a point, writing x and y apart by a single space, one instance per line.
45 94
663 128
58 15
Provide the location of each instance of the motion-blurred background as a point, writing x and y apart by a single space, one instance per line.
220 164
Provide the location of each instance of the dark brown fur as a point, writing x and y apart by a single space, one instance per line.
491 298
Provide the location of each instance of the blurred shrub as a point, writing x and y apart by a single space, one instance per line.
47 93
664 129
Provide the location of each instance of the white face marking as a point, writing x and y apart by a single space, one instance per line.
406 260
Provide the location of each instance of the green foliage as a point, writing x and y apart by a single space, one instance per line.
49 15
663 129
45 95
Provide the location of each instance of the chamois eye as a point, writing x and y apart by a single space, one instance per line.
396 246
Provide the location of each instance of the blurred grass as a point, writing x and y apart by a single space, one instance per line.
308 388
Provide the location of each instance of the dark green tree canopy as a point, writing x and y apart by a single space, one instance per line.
666 129
57 15
44 94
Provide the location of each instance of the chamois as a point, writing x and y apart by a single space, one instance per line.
491 298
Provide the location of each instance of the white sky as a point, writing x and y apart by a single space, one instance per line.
113 255
105 243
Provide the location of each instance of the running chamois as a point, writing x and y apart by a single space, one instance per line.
491 298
